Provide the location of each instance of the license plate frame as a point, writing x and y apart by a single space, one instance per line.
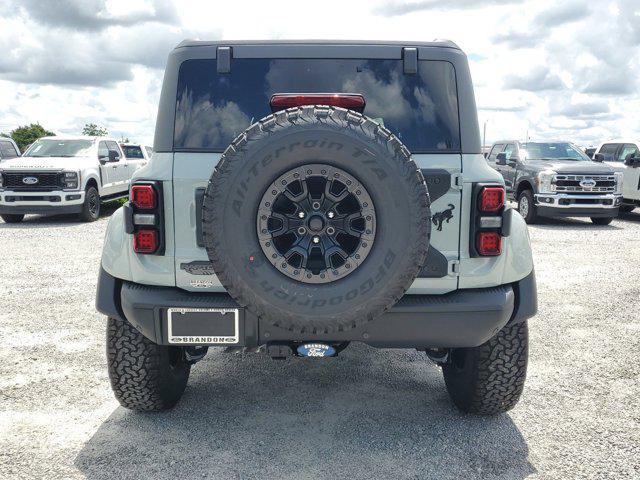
206 338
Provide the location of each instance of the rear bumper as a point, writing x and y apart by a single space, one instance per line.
464 318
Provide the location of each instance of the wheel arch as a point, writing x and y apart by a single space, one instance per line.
522 186
93 181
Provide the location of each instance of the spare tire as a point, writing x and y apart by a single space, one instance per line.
316 219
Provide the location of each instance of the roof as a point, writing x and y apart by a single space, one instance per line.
621 140
79 137
531 141
231 43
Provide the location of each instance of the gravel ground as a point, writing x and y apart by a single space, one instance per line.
366 414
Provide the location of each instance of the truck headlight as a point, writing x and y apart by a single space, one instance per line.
619 178
545 181
70 180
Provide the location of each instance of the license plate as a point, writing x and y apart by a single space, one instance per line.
203 325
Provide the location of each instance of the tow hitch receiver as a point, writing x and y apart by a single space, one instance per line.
282 350
316 350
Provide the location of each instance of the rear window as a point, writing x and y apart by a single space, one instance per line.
132 151
212 108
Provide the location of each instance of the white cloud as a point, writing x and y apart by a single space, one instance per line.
555 70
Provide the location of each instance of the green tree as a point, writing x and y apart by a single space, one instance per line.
27 134
93 130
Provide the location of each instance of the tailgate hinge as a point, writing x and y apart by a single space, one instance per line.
454 268
456 181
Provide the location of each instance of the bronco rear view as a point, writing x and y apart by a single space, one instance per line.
305 195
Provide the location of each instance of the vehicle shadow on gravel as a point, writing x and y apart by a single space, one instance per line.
366 414
45 221
633 216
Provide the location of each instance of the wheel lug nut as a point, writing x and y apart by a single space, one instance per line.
301 214
316 239
331 214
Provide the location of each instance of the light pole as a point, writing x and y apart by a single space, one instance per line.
484 134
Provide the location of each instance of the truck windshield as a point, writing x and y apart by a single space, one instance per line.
551 151
59 148
212 108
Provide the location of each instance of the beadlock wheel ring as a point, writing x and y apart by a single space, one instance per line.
334 211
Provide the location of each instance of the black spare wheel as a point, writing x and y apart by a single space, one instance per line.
316 219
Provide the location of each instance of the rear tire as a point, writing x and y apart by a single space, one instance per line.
527 207
489 379
601 220
12 217
91 206
144 376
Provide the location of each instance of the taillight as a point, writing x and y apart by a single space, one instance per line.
491 199
143 197
487 220
351 101
489 244
144 217
145 241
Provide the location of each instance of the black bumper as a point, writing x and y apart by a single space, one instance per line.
40 209
464 318
577 212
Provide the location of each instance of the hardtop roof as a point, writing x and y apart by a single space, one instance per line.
231 43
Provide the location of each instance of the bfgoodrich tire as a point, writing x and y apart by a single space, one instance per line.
489 379
307 147
143 375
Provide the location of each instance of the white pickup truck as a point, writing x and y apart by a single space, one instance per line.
624 153
64 174
134 152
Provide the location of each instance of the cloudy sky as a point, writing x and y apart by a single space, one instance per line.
555 69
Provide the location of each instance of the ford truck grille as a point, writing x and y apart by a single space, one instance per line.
32 181
585 183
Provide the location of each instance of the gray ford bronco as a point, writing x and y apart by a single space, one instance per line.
305 195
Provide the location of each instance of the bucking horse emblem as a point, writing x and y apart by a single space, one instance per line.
444 216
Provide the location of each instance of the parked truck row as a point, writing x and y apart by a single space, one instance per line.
558 179
66 175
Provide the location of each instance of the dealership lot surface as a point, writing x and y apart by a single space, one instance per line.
366 414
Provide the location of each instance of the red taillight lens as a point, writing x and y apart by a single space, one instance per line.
489 244
145 241
143 196
491 199
280 101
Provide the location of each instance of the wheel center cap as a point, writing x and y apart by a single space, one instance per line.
316 223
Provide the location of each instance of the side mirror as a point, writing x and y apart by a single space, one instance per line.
513 161
501 159
486 154
103 160
598 157
113 156
633 162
